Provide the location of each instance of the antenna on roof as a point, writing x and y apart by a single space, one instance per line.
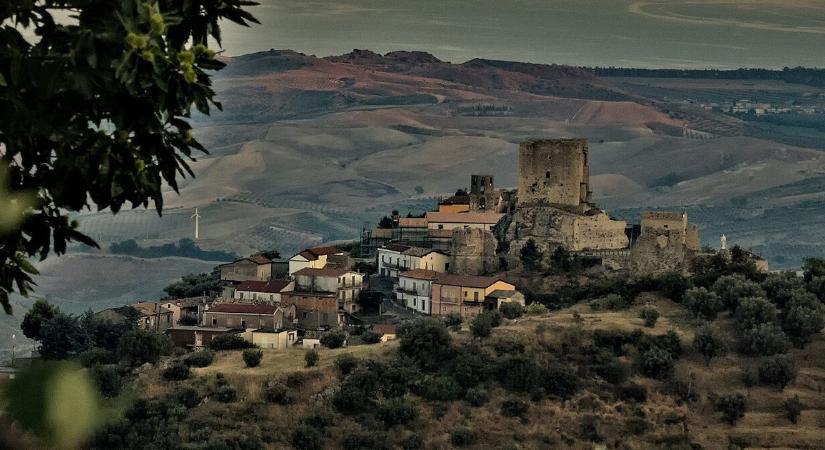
197 217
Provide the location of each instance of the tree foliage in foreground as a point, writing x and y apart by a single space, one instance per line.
95 112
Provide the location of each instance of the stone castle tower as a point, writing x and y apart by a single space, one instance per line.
554 172
483 194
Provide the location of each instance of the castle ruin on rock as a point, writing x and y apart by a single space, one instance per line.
553 206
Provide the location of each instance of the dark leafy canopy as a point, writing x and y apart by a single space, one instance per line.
94 112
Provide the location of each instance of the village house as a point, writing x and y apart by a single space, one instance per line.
394 258
195 337
249 316
146 315
449 221
414 289
388 331
186 309
465 295
315 258
260 291
272 338
251 268
315 310
324 297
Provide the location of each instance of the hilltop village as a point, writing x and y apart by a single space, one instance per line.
466 257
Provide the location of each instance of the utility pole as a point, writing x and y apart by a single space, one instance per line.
197 217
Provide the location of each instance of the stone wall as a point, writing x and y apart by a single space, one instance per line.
594 232
553 172
660 251
473 252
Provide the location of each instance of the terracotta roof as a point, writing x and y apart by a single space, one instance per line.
150 308
400 248
287 295
323 272
243 308
468 217
419 251
311 254
472 281
412 222
385 328
272 286
260 259
421 274
498 293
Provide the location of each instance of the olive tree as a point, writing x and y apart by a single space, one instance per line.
96 113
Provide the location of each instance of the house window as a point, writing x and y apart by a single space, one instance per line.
440 227
475 296
465 293
305 315
243 324
214 322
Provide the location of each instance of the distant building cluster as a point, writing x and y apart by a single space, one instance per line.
454 260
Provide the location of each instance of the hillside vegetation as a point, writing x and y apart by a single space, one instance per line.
725 358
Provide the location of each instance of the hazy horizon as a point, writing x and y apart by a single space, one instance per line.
707 34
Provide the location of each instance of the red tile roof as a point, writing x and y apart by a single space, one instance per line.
468 217
243 308
272 286
260 259
472 281
311 254
323 272
421 274
397 247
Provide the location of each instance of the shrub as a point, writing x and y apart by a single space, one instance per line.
143 346
702 303
632 392
560 380
371 337
531 256
230 341
753 311
252 357
477 396
709 343
97 356
426 341
656 363
804 317
279 393
766 339
614 340
306 438
226 394
107 380
346 363
793 408
363 440
732 407
536 309
511 310
673 285
453 320
412 442
463 437
777 370
188 396
732 288
311 357
482 325
518 373
439 387
201 358
650 316
177 371
612 302
396 411
590 428
614 372
334 339
636 425
514 408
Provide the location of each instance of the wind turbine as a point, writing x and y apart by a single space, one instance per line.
197 217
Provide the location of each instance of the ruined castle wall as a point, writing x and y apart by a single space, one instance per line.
596 232
692 239
660 251
663 220
473 252
554 172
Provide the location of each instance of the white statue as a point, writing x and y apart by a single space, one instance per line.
723 243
